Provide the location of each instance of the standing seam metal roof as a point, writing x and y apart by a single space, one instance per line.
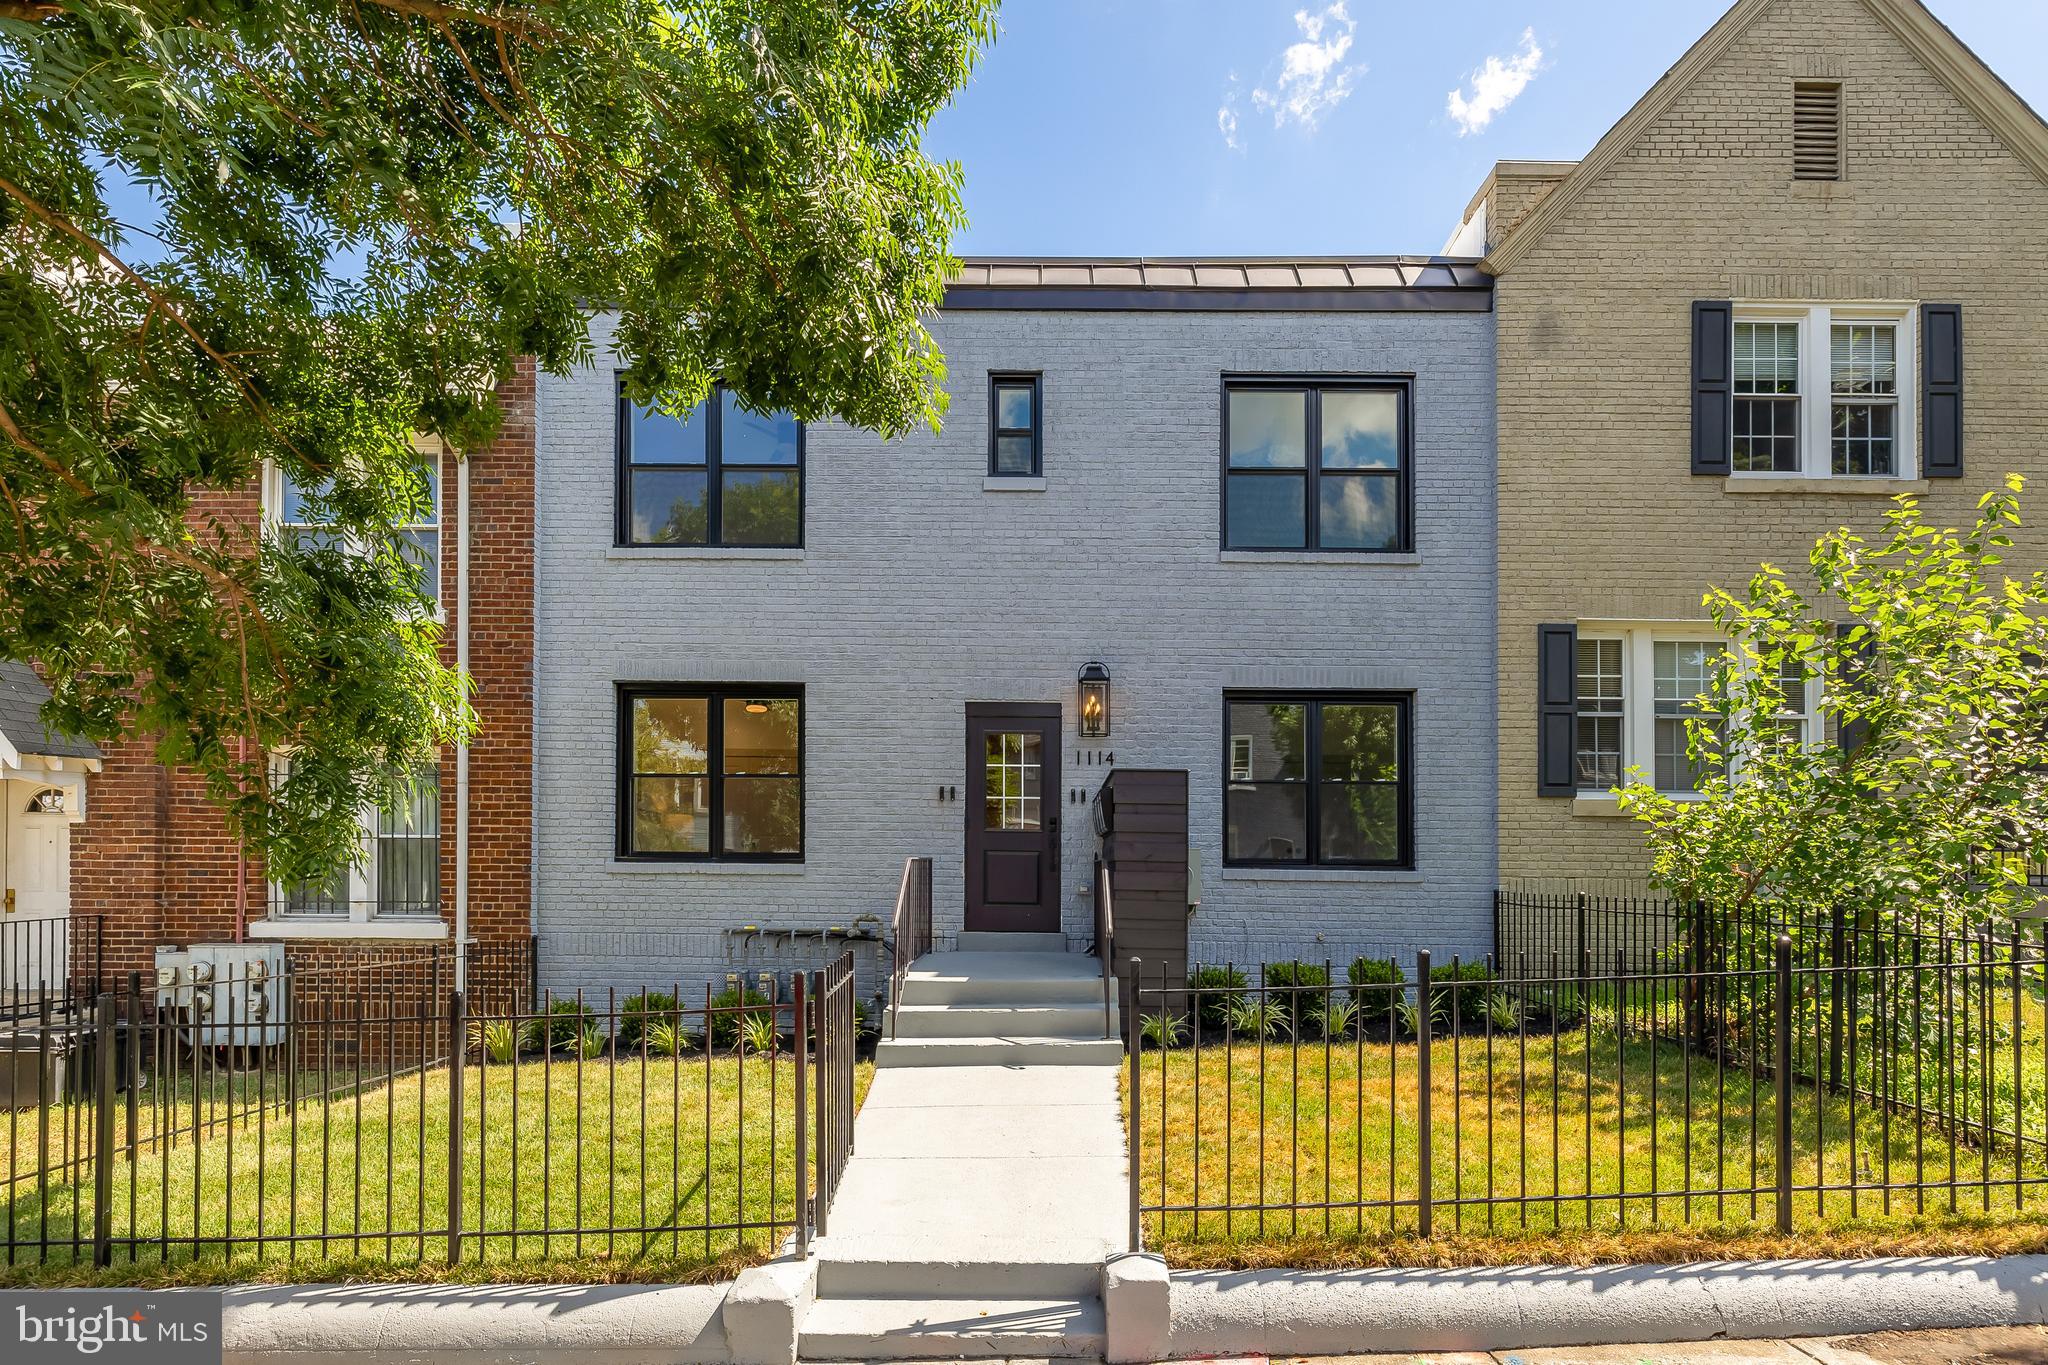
1279 283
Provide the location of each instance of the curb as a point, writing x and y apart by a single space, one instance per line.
1297 1313
474 1324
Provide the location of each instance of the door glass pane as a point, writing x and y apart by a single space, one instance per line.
1266 822
1268 512
657 438
1272 738
1361 430
1010 780
1360 512
750 438
1268 430
760 507
669 507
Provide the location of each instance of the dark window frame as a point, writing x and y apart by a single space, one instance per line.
714 468
1311 471
714 695
1403 702
1034 380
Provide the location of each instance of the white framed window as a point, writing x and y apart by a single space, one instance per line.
1825 390
1638 685
293 510
398 876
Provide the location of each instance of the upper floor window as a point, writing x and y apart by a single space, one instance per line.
1015 445
297 510
1823 391
711 773
1317 779
717 475
1317 465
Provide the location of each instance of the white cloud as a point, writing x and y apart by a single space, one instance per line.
1495 86
1313 78
1226 116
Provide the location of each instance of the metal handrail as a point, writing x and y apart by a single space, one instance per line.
910 928
1105 946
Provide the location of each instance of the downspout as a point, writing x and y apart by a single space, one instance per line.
462 748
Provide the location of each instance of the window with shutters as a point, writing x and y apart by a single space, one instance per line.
1823 390
1816 130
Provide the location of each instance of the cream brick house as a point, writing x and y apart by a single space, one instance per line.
1805 273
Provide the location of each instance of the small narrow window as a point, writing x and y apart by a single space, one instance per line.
1602 696
1816 130
1686 671
1015 450
1863 373
1767 397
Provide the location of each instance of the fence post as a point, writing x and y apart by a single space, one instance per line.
1132 1038
1425 1213
103 1147
803 1152
1781 1046
1583 946
457 1050
1837 947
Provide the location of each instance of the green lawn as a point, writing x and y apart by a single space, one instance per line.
1532 1135
664 1143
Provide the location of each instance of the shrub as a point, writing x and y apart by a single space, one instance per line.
757 1032
731 1008
1503 1012
590 1043
1221 988
1336 1016
1408 1014
566 1023
500 1040
863 1019
1468 984
1282 975
637 1012
1162 1030
666 1038
1252 1020
1369 977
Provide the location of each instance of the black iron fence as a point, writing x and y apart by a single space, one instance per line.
58 961
1904 1076
370 1111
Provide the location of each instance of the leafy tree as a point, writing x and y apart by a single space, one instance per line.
358 213
1935 796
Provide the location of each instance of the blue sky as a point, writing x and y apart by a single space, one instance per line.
1092 126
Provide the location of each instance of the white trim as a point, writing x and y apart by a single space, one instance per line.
1816 323
1011 483
348 928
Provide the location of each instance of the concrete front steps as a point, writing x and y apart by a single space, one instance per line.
995 1003
953 1329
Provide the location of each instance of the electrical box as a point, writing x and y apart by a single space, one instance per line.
224 994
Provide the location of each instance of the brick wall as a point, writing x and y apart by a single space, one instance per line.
154 855
1599 516
919 591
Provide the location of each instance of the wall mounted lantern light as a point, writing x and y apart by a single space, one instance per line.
1094 701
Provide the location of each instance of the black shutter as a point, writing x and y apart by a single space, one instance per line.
1713 373
1855 662
1557 707
1941 390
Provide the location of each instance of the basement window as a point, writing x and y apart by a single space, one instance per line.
1816 130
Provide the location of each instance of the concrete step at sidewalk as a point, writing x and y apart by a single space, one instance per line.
998 1051
953 1329
1003 990
1004 1021
1005 1274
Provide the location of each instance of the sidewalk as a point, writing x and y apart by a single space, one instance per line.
1971 1346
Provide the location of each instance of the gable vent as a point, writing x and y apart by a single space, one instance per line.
1817 130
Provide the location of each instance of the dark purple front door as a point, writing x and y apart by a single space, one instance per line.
1013 817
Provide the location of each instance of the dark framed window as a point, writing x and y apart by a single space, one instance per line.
1016 449
1318 779
718 475
711 773
1316 464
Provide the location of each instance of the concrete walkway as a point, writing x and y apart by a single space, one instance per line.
974 1216
1967 1346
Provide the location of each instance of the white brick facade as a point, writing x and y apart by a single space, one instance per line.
919 591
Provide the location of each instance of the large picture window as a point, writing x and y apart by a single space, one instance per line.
717 475
1317 779
1315 465
711 773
